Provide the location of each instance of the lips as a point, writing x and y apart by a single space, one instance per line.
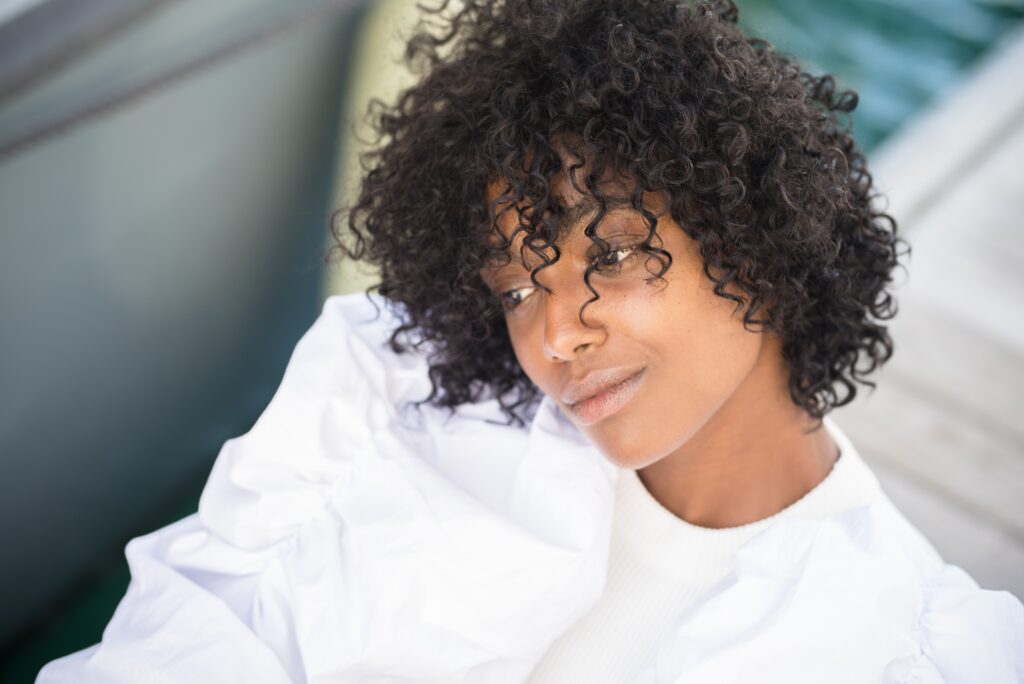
602 393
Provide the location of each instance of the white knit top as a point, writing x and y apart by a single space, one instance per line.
659 564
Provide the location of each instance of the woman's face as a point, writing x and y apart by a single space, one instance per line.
655 360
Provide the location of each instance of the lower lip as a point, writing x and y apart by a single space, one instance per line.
599 407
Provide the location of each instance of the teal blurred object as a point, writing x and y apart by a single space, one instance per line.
158 262
897 54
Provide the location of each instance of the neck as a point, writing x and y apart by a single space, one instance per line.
753 458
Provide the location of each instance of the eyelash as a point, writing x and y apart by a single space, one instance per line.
504 298
617 265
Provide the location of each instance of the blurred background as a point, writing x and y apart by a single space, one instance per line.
167 173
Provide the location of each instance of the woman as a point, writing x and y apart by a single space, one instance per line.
629 261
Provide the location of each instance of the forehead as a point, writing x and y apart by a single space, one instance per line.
566 190
574 209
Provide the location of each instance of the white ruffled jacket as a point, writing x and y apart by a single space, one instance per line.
347 538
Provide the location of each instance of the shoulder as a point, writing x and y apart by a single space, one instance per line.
960 632
346 415
862 592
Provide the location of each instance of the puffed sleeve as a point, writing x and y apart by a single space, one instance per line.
964 635
178 621
852 598
351 537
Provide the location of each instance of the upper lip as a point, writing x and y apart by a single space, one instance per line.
596 382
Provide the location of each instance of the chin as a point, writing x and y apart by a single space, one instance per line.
624 452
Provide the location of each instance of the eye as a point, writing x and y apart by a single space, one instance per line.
510 299
613 259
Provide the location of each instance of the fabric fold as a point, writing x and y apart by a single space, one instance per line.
856 597
349 538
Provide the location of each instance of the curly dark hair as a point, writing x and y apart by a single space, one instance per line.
754 154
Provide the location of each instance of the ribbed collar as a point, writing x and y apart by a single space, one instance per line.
650 533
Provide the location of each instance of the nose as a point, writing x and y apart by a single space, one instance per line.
565 335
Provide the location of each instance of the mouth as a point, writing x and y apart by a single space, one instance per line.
609 399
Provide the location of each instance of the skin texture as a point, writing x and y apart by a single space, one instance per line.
712 429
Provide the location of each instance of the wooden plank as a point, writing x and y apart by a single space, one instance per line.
957 334
976 294
992 557
945 361
967 252
976 469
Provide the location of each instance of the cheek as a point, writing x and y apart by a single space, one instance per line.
528 349
714 349
700 355
709 342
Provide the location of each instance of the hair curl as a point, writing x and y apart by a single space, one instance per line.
755 156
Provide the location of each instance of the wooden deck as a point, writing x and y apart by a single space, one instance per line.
944 429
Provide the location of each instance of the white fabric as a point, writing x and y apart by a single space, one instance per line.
348 539
659 565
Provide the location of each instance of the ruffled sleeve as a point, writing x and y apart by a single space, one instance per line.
351 537
964 634
853 598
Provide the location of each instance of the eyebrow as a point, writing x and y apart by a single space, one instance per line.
576 213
